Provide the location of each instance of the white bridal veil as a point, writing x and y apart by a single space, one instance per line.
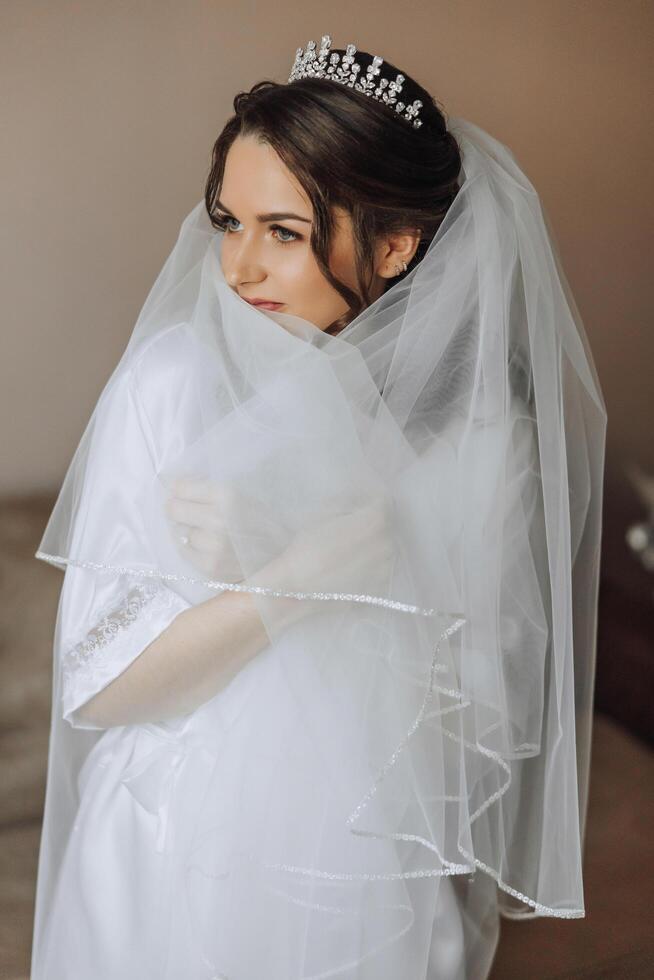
429 717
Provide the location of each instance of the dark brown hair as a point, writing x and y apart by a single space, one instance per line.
347 149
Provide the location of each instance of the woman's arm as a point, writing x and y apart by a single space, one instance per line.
190 661
204 646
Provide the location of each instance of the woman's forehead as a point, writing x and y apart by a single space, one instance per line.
257 179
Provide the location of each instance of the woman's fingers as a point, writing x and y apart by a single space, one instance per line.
193 488
184 511
199 511
202 503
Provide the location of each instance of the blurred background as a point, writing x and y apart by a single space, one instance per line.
110 112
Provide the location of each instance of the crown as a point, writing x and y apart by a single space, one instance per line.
346 71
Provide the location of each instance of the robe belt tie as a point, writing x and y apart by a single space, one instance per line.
151 776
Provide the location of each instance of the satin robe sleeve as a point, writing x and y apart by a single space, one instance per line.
121 618
110 616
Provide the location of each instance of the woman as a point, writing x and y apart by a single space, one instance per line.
330 544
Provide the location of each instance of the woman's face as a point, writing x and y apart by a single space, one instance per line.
266 252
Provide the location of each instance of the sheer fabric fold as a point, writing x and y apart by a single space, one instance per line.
427 722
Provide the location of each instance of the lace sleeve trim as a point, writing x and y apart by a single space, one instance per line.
145 601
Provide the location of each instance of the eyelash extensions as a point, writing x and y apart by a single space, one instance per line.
222 221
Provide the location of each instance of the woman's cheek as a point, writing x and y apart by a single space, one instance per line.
301 277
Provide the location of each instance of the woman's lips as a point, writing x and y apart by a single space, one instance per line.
265 305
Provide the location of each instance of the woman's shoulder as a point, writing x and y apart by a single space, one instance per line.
172 378
174 365
170 354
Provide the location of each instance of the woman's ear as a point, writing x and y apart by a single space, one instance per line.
394 250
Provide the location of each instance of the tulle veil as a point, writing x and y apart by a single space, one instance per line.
432 725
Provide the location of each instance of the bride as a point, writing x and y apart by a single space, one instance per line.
324 650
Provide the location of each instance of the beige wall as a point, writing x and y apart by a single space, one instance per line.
112 108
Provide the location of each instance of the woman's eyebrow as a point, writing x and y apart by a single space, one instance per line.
273 216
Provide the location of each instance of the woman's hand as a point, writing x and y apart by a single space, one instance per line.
201 512
350 553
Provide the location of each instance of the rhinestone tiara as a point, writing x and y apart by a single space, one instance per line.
346 71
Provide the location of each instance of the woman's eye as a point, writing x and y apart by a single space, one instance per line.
286 231
222 221
287 236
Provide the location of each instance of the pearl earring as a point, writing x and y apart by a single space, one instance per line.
400 268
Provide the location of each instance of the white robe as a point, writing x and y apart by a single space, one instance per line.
113 914
118 895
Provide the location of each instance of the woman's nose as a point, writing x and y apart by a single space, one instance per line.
241 264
